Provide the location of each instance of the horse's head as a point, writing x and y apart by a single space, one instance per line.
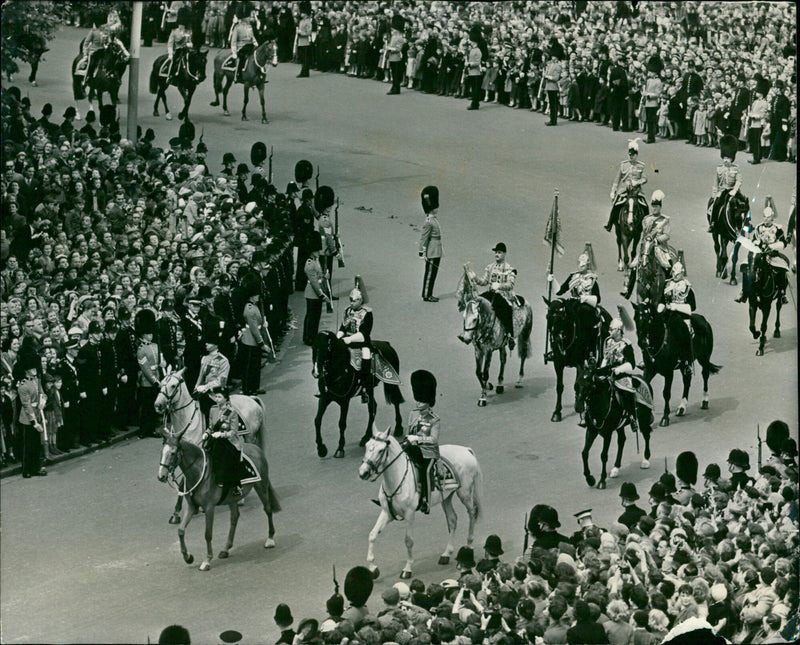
473 309
169 392
645 317
329 354
376 454
196 62
169 456
559 312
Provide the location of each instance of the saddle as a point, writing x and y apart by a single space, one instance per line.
443 477
163 72
248 471
380 368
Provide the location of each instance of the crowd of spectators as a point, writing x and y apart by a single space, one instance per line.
96 229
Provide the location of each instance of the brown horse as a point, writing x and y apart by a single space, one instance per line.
253 74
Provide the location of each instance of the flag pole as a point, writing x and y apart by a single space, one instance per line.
554 233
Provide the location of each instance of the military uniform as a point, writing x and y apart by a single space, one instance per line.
214 371
168 338
655 235
727 182
148 357
90 388
226 448
618 352
31 422
502 277
304 43
193 350
358 320
580 285
250 345
110 371
243 42
69 404
430 248
180 40
632 175
125 343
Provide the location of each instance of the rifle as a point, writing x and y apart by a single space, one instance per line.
339 248
527 535
758 436
270 164
317 178
335 582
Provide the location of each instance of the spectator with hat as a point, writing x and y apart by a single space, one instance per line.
632 514
493 549
283 619
738 464
91 388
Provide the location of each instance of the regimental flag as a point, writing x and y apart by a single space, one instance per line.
552 233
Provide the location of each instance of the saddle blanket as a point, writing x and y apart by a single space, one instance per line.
445 476
249 472
82 67
637 385
779 261
381 368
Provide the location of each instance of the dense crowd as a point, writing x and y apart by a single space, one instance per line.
96 230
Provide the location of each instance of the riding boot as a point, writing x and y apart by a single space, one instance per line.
745 285
511 342
366 373
610 223
628 290
424 492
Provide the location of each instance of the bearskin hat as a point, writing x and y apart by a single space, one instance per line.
243 10
475 33
430 198
303 171
258 153
398 22
686 467
728 145
305 8
423 385
27 361
555 49
144 322
324 198
777 431
739 458
358 586
186 131
655 65
212 328
184 17
250 288
108 115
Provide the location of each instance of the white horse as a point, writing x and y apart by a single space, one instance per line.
399 498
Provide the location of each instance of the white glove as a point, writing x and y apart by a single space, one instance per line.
346 340
124 378
105 391
201 388
413 439
83 395
660 307
471 275
495 286
549 277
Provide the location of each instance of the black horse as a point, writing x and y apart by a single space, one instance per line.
188 77
628 212
605 415
107 77
727 212
575 338
339 382
667 345
763 289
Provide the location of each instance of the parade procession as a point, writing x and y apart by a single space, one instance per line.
468 322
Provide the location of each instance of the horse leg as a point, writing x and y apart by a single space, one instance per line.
405 574
234 506
686 373
481 378
380 524
175 518
667 392
263 489
604 460
225 88
500 387
762 339
705 371
205 565
344 406
264 118
620 447
559 391
723 260
398 421
753 308
521 374
188 514
324 402
187 100
579 404
778 307
589 436
452 523
158 98
246 99
34 69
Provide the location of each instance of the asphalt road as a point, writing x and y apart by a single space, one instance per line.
88 555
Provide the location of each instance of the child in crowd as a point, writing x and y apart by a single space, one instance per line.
699 124
663 120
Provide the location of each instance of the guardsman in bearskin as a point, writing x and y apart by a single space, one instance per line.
148 356
355 331
422 433
192 327
727 182
777 433
214 366
323 204
686 471
315 291
358 585
168 333
243 40
91 388
395 49
631 177
179 43
738 464
303 172
501 278
31 417
304 29
678 295
258 154
430 242
252 342
618 361
223 441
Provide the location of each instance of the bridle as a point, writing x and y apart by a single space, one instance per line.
476 302
324 371
556 338
172 410
646 342
376 469
173 464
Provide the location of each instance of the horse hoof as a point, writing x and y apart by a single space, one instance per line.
376 572
169 117
718 274
265 120
489 387
322 450
664 422
724 274
518 385
620 266
645 464
501 389
590 480
754 333
155 113
481 403
226 113
405 575
244 117
444 559
214 103
614 473
680 412
269 544
759 352
175 519
556 417
777 333
704 405
223 555
733 281
339 454
601 485
205 566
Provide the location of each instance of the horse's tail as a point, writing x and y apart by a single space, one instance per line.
704 336
261 433
154 76
524 346
393 394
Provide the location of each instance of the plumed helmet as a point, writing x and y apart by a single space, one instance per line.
305 8
212 328
184 17
616 323
398 22
430 198
728 145
686 467
358 585
144 322
777 431
583 261
739 458
356 296
258 153
677 270
186 131
303 171
633 144
712 472
324 198
657 196
423 386
768 213
475 33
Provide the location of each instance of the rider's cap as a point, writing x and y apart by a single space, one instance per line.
500 247
657 197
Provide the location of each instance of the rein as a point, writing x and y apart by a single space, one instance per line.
324 371
261 68
651 354
374 468
171 470
554 338
171 412
608 410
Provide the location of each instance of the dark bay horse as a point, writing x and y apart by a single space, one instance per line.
667 345
763 290
188 77
202 492
574 339
339 382
253 74
107 77
484 330
630 211
728 214
604 415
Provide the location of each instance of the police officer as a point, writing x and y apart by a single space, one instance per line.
618 361
126 345
355 330
69 396
148 357
727 182
111 370
214 366
430 243
583 286
631 177
31 417
91 388
422 432
501 277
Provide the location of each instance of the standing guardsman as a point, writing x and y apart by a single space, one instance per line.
430 243
31 417
396 44
355 331
304 29
423 432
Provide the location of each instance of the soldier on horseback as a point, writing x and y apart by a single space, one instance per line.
501 277
179 43
423 432
631 177
355 331
727 183
223 441
678 295
243 40
770 238
618 361
654 242
582 285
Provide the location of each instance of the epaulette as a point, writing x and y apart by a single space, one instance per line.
365 308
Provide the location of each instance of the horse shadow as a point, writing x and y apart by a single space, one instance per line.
532 388
721 405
